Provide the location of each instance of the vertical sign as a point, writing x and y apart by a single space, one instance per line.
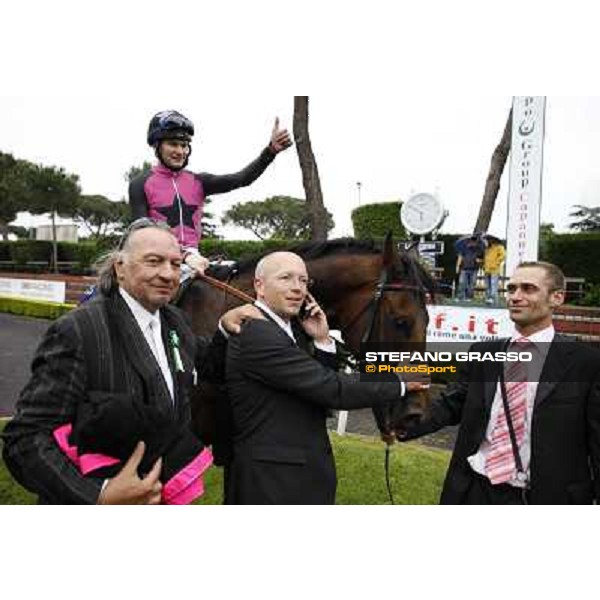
525 186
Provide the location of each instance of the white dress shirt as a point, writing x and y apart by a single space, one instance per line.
287 327
541 341
150 325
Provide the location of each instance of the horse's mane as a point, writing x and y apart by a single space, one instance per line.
408 266
314 250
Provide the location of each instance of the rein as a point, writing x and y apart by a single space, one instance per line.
372 307
373 304
225 287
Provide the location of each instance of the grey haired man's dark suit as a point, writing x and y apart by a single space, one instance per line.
94 354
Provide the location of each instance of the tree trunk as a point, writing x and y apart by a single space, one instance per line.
4 231
310 173
492 185
54 243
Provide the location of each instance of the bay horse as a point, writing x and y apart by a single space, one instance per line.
370 292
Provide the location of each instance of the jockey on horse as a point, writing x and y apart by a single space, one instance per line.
173 194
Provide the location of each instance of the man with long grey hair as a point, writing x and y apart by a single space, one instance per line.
105 417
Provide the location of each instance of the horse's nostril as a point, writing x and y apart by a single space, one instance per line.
411 420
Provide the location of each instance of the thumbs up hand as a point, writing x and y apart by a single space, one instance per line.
128 488
280 138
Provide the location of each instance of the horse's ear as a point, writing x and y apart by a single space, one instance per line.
389 250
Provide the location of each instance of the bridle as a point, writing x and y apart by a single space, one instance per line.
373 305
372 308
225 287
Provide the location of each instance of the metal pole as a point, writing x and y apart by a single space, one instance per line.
342 422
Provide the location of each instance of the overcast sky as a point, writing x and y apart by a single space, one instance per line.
395 145
392 102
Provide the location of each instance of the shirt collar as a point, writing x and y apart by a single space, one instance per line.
142 316
285 325
540 339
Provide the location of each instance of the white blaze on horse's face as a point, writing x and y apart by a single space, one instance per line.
281 283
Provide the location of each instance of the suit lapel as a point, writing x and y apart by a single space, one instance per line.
182 380
555 367
279 328
558 361
302 339
136 349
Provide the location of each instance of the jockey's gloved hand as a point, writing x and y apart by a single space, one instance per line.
196 261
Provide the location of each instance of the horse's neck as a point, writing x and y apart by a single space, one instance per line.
336 277
244 282
345 286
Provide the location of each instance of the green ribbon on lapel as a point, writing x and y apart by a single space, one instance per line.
174 343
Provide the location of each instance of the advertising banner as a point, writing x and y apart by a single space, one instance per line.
449 323
33 289
525 180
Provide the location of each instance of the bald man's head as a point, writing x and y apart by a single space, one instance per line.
281 281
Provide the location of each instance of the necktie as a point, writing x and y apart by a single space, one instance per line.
500 463
158 349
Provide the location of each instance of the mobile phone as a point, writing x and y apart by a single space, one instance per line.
303 313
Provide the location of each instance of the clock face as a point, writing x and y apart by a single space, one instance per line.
421 214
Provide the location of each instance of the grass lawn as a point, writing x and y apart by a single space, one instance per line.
10 491
416 474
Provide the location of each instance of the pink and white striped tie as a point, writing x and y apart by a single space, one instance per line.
500 464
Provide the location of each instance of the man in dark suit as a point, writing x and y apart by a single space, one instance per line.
280 394
109 374
552 454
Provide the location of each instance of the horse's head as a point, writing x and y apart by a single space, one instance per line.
403 319
368 292
377 295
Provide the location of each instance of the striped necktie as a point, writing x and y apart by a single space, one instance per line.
500 465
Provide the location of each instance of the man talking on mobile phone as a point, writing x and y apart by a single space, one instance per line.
281 384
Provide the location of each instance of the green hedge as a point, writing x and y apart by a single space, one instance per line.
34 308
576 254
24 251
376 220
5 250
83 253
238 249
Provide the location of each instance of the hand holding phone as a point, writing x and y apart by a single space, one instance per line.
313 319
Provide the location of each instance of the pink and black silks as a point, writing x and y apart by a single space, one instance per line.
107 429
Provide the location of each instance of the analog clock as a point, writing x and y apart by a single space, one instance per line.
422 213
